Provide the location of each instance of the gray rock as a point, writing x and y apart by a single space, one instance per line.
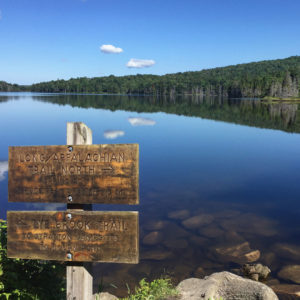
104 296
225 285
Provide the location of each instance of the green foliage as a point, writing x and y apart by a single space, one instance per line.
28 279
7 87
155 290
257 79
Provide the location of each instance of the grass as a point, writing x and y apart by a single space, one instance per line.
155 290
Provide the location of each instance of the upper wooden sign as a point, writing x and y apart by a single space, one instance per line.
74 174
73 236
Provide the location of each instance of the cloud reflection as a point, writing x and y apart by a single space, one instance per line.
113 134
3 169
141 121
46 206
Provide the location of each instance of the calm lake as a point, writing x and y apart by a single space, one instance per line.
219 179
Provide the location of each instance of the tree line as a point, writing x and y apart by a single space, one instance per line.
275 78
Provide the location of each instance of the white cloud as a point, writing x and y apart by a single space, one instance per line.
141 122
113 134
110 49
3 169
140 63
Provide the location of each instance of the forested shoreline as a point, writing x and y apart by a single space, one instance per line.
272 78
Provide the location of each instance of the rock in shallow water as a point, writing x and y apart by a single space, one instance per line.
287 289
157 254
211 231
291 273
197 221
176 244
251 224
289 251
226 285
239 253
155 225
153 238
179 214
256 271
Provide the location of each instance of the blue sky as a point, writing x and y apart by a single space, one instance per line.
43 40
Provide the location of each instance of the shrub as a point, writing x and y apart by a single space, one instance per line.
28 279
155 290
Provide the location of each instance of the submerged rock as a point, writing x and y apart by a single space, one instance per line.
291 273
239 253
224 285
227 214
155 225
176 244
256 271
153 238
289 251
250 223
173 231
233 237
197 221
211 231
199 272
179 214
287 289
157 254
198 240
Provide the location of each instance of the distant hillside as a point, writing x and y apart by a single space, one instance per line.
7 87
274 78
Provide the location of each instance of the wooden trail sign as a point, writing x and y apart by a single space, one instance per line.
74 174
74 236
77 174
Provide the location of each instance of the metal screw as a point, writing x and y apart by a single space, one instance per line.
70 148
69 216
70 198
69 256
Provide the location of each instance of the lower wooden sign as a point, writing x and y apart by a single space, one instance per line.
74 236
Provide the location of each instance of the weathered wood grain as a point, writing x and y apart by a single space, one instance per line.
74 174
74 236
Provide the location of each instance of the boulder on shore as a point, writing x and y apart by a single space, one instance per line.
104 296
226 285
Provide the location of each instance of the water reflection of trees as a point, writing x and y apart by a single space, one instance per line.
282 116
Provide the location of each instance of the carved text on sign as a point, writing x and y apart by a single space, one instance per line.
74 236
88 173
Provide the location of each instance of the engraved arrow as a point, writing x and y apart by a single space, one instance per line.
108 169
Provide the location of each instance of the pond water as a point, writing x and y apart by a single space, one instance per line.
219 179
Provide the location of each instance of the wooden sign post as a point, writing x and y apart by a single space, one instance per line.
78 174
